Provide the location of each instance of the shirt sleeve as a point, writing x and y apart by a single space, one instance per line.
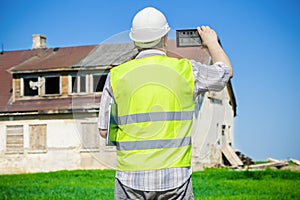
210 77
106 99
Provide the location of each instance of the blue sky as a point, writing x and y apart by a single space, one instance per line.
261 37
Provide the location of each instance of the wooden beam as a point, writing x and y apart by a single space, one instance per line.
231 156
272 164
272 160
297 162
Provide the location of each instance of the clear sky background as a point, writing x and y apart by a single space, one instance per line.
261 37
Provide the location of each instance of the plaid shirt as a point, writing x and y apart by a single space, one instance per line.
206 78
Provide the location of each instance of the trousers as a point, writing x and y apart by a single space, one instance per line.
184 192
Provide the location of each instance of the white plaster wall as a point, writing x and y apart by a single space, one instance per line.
64 142
63 134
207 130
2 137
63 149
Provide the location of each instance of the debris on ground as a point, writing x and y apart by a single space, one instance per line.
277 164
237 160
245 159
271 163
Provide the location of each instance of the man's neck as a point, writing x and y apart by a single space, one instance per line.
150 52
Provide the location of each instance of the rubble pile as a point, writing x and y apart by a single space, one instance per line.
278 164
245 159
237 160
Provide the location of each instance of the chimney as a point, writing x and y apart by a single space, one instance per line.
38 41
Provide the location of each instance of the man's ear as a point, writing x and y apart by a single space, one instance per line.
166 41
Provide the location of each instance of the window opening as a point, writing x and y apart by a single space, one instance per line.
30 86
82 84
52 85
98 82
79 84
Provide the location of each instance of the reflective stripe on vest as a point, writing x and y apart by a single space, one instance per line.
155 116
155 103
154 144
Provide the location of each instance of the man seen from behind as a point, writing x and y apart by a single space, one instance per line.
155 97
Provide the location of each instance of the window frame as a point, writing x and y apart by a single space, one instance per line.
78 82
96 140
37 150
16 150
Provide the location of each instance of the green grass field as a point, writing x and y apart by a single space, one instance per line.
97 184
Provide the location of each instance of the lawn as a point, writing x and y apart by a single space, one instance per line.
98 184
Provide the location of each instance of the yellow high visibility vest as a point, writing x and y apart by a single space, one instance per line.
154 97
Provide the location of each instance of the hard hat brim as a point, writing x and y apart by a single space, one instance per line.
148 35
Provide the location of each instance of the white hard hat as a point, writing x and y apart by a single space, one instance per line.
148 25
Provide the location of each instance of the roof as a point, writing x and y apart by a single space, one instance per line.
8 60
109 55
116 54
199 54
49 59
33 60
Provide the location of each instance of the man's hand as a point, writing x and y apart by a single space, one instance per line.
103 132
210 40
208 36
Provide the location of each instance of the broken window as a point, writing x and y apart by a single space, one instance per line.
52 85
38 137
215 101
98 81
30 86
79 84
14 139
223 129
89 136
74 84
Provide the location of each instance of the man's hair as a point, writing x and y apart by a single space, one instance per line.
157 44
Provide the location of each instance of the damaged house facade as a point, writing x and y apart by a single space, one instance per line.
49 104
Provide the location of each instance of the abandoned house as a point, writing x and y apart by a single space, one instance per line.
49 103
